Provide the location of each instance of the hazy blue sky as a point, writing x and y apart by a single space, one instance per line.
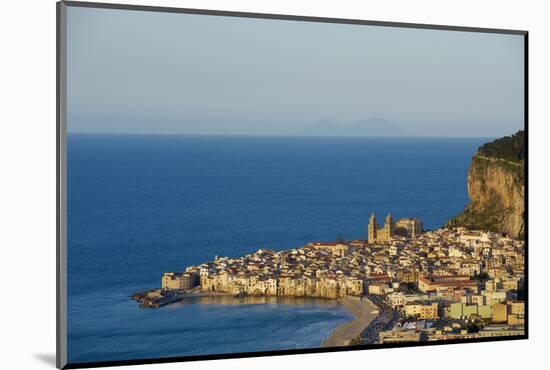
145 72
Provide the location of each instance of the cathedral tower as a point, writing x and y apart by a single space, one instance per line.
372 229
389 227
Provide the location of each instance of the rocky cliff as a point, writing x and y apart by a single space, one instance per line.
496 186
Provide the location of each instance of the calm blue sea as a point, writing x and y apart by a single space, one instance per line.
139 205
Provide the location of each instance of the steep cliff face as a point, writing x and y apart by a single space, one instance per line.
496 186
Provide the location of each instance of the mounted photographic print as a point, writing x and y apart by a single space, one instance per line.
236 184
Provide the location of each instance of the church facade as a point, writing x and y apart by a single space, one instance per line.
407 227
380 234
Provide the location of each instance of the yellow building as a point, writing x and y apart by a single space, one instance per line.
516 313
422 311
517 308
354 286
179 281
413 309
429 311
500 312
514 319
510 284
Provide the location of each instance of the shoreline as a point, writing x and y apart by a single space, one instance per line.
363 310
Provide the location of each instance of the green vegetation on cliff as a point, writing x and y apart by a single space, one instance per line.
510 148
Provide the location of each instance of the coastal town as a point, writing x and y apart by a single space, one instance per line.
402 283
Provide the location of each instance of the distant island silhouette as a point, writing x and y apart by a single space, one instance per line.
377 127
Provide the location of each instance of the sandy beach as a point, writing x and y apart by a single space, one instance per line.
364 311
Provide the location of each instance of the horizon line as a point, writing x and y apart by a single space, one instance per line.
288 135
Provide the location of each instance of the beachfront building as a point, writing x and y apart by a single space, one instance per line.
179 280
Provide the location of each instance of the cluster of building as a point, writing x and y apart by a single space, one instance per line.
324 270
449 278
452 284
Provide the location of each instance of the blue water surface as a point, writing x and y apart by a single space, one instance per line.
139 205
